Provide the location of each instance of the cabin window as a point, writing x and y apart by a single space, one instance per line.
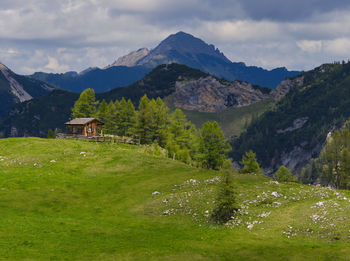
90 129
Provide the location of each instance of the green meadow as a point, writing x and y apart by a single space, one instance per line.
75 200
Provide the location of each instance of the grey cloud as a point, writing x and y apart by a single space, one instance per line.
266 33
289 10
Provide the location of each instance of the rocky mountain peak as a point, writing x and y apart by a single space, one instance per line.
181 46
130 59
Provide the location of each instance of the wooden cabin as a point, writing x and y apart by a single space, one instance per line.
83 126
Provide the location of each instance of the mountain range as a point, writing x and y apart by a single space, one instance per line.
188 88
181 48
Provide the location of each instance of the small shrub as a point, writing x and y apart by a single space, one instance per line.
51 134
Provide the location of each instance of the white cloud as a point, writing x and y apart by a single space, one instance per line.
310 46
54 66
338 47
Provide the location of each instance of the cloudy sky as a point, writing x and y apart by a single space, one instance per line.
63 35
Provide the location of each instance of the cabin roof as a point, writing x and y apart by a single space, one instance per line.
82 121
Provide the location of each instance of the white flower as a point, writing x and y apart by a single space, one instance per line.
83 152
52 161
250 226
155 192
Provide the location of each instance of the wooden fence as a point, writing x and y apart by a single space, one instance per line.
104 138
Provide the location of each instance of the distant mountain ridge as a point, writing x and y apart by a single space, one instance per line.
181 48
16 88
35 117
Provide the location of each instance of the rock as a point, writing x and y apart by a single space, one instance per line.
285 86
130 59
210 95
297 124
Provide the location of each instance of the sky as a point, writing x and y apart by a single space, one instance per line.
72 35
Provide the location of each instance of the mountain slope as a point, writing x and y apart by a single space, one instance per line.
53 110
295 131
15 88
101 80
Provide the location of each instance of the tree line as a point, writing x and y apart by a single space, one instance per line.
153 123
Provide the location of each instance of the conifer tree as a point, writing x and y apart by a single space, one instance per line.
212 146
144 121
160 115
85 106
102 112
226 202
250 164
109 124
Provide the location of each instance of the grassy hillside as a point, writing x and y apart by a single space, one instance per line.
74 200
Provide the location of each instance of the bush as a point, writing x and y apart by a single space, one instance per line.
51 134
283 174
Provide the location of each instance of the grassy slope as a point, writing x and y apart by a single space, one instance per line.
100 207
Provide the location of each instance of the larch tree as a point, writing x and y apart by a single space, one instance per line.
85 106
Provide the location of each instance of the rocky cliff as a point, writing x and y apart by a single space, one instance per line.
16 88
210 95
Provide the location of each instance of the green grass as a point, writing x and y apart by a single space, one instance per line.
100 207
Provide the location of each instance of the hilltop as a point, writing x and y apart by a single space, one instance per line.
66 199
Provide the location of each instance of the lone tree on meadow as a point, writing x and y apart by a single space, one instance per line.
226 202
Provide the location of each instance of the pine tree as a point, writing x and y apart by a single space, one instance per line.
109 124
131 119
102 112
250 164
160 114
226 202
182 141
144 121
85 106
212 146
